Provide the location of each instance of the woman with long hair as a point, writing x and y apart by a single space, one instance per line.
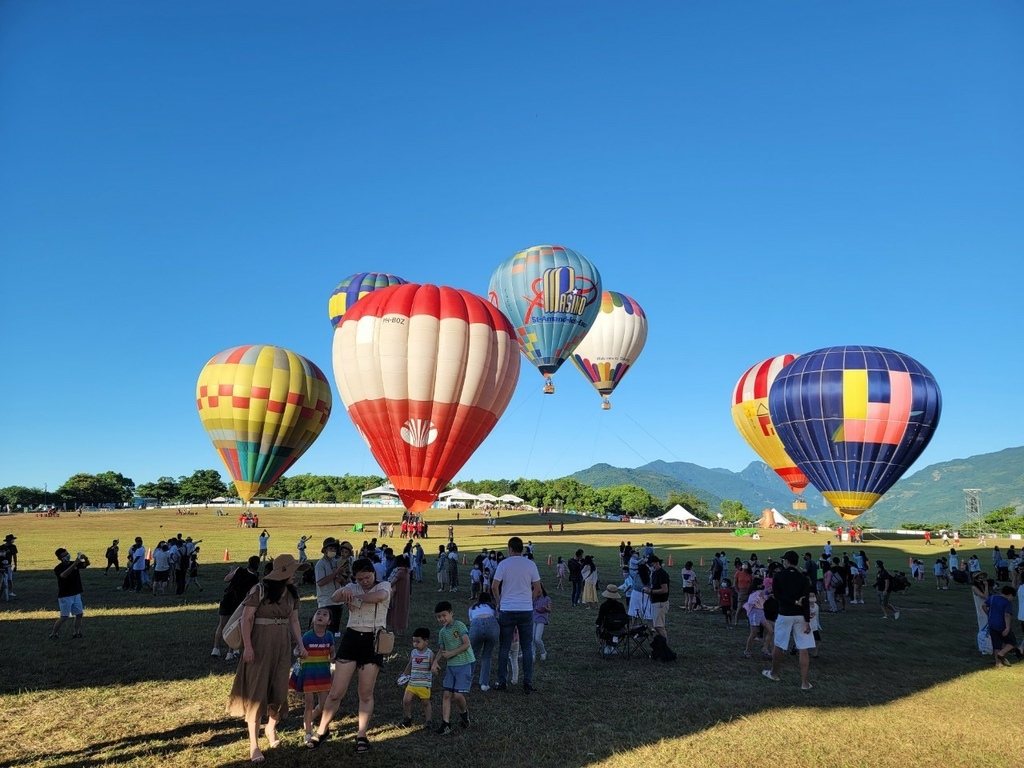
368 600
589 576
270 630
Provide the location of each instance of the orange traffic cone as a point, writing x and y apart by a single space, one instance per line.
702 562
910 562
549 559
227 556
670 561
464 562
149 554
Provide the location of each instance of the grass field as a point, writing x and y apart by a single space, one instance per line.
141 688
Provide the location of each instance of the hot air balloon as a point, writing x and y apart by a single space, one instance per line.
262 406
425 373
550 294
750 413
353 288
613 344
854 419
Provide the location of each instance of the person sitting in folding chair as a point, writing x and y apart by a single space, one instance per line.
612 621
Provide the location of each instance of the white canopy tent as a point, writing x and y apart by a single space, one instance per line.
679 514
486 497
510 498
457 494
381 491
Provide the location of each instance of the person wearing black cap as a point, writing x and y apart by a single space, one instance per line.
69 591
332 572
792 592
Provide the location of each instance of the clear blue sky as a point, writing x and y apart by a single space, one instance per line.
763 177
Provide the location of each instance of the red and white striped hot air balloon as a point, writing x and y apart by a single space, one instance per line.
750 413
425 373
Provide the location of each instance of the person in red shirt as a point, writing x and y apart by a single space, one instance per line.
726 601
744 578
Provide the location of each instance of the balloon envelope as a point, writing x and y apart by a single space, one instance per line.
550 294
262 406
752 419
854 419
353 288
615 341
425 373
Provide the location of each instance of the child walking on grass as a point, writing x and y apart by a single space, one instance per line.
458 674
419 677
313 677
726 601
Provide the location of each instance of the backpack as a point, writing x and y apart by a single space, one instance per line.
898 581
660 650
232 633
837 580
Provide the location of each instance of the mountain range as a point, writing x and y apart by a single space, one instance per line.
932 494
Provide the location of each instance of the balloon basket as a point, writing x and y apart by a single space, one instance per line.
606 406
549 388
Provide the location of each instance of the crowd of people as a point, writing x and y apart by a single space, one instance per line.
363 591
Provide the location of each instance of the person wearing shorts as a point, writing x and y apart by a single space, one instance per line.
792 591
659 594
367 600
456 648
69 592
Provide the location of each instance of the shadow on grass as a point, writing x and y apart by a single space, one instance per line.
587 708
145 745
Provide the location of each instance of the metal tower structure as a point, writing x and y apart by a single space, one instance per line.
972 509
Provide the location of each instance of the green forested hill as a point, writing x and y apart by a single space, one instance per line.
931 494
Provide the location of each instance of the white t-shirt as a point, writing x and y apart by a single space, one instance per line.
517 575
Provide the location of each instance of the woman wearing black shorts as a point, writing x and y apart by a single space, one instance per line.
367 601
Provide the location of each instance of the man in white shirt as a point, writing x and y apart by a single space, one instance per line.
515 585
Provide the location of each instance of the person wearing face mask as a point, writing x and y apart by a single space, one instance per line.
239 582
332 572
69 592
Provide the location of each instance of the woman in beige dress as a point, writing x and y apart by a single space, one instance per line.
270 630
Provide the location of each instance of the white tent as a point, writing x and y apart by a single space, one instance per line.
679 514
486 497
510 498
772 517
457 494
381 491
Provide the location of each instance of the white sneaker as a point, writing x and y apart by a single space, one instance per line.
232 655
895 615
215 652
485 687
543 657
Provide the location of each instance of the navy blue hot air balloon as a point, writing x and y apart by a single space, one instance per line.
854 419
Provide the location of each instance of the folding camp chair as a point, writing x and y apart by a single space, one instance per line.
613 636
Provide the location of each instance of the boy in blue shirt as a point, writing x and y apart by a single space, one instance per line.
999 609
458 675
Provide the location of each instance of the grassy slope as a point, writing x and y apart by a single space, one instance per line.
141 686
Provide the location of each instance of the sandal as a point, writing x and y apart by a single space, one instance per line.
362 745
318 739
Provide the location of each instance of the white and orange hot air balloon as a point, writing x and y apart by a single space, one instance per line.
750 413
425 373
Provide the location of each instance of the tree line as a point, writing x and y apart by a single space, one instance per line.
113 488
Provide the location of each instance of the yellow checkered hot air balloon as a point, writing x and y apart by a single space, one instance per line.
262 406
